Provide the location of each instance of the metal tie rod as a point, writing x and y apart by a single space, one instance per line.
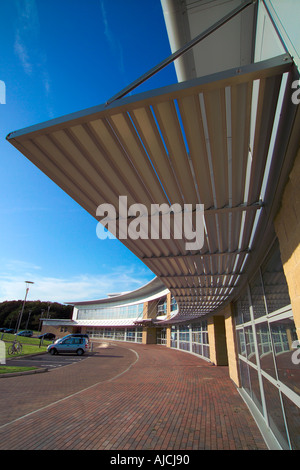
180 52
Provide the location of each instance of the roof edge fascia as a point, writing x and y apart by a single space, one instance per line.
262 69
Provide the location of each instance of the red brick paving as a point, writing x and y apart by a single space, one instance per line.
165 400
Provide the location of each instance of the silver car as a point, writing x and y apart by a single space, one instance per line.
69 344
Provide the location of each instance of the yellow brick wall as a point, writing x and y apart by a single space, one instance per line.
211 340
223 351
144 336
149 311
287 226
145 310
151 336
168 337
231 345
56 330
217 340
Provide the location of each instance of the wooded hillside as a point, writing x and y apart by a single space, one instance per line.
33 312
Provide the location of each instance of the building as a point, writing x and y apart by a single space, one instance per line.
225 136
148 315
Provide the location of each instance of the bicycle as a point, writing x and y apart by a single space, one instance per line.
15 348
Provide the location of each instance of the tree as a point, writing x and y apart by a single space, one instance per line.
9 312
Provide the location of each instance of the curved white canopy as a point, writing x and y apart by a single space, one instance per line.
214 140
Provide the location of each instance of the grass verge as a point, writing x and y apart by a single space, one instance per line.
9 370
29 345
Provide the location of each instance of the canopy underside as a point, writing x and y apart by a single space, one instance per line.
207 141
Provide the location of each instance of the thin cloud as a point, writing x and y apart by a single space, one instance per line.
26 33
113 42
23 55
26 45
60 289
18 265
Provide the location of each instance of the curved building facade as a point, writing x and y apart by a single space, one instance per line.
148 315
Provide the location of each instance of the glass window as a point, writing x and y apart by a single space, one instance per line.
197 349
67 341
244 370
184 333
139 335
174 305
173 336
200 344
184 338
275 413
120 334
162 307
197 335
292 414
161 336
205 352
270 341
275 286
265 351
250 347
257 297
283 336
130 334
102 313
242 309
241 342
255 388
184 345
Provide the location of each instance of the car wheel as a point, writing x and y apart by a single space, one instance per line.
80 352
53 351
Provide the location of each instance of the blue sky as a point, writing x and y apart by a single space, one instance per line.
58 57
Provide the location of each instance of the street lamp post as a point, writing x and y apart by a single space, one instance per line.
20 317
41 319
30 311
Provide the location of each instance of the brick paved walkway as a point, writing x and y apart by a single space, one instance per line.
127 397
